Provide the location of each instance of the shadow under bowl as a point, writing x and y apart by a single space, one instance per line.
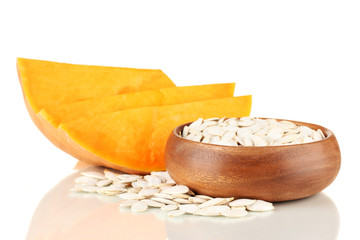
271 173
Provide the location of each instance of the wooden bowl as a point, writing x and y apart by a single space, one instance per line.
272 173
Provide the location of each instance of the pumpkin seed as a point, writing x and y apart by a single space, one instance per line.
235 213
164 200
185 131
169 207
176 189
159 190
148 192
316 136
111 190
239 208
321 133
164 175
139 206
189 208
131 196
128 179
212 210
163 195
260 206
103 183
152 180
93 174
127 202
181 200
141 183
197 200
111 175
307 140
248 131
176 213
258 140
197 123
90 189
86 180
242 202
225 201
211 202
152 203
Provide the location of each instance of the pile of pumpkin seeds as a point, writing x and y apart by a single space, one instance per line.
249 131
159 190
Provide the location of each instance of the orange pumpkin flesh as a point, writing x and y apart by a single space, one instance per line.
135 139
88 108
49 89
47 83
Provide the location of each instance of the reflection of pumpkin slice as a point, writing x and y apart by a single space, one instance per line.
84 109
74 216
134 140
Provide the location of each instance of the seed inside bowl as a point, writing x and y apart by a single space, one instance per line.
249 132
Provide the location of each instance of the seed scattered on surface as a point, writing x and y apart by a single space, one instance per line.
260 206
111 190
130 196
134 190
128 179
90 189
148 192
159 190
164 200
249 131
127 203
235 213
241 202
176 213
86 180
180 195
212 210
169 207
152 180
226 201
204 197
93 174
197 200
111 175
103 183
176 189
152 203
163 195
139 206
189 208
211 202
238 208
182 200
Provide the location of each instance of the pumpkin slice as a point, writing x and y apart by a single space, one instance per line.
88 108
134 140
47 83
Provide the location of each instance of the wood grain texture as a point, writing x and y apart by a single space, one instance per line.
274 173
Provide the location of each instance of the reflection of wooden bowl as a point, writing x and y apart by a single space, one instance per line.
274 173
315 217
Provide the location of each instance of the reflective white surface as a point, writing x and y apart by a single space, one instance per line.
65 215
299 60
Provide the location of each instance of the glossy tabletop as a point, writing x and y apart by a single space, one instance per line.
66 215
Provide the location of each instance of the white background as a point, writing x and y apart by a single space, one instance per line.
299 59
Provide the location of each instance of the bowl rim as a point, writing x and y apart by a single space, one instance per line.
327 132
